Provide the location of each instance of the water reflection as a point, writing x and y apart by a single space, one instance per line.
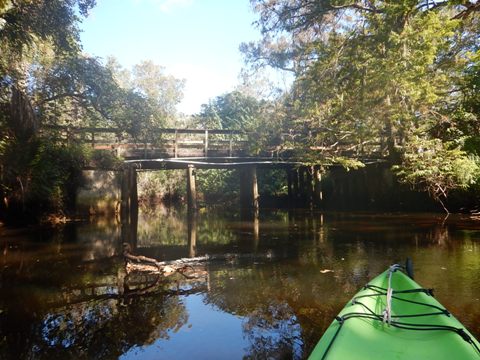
65 294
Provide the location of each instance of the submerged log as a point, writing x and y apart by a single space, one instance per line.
190 268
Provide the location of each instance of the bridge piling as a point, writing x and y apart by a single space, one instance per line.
129 205
192 233
129 195
191 188
125 195
249 197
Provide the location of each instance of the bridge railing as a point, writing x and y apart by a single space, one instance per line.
176 143
160 142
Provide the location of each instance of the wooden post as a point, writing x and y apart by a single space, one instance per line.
192 234
249 197
129 206
205 149
175 145
230 147
191 188
133 193
256 231
125 196
256 196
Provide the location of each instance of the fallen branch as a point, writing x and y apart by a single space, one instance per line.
189 268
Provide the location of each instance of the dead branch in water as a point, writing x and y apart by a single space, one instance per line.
189 268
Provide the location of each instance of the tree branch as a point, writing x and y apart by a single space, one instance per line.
470 8
431 5
357 6
62 95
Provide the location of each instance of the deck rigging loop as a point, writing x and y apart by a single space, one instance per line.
387 313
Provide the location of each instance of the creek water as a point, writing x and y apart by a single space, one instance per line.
64 293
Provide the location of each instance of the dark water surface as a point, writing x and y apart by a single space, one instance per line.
64 294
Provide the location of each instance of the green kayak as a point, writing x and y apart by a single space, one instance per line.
392 317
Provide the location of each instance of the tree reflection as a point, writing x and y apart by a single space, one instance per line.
279 306
273 332
92 320
107 329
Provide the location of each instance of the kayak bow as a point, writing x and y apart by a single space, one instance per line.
392 317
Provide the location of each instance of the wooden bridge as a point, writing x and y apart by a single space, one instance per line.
158 143
219 146
191 149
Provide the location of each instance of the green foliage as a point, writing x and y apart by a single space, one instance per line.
54 171
28 23
436 167
233 110
272 182
218 185
102 159
261 119
30 29
45 80
43 176
161 185
40 175
472 145
369 74
471 90
74 90
163 91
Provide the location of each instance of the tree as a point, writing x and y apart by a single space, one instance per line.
151 97
233 110
30 33
371 72
163 91
437 168
27 26
74 90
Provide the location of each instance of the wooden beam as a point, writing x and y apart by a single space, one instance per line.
191 188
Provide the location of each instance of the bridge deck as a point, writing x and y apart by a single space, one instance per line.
210 163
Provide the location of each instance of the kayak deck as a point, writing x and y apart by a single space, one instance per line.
419 327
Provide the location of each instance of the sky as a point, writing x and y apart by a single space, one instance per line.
195 40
